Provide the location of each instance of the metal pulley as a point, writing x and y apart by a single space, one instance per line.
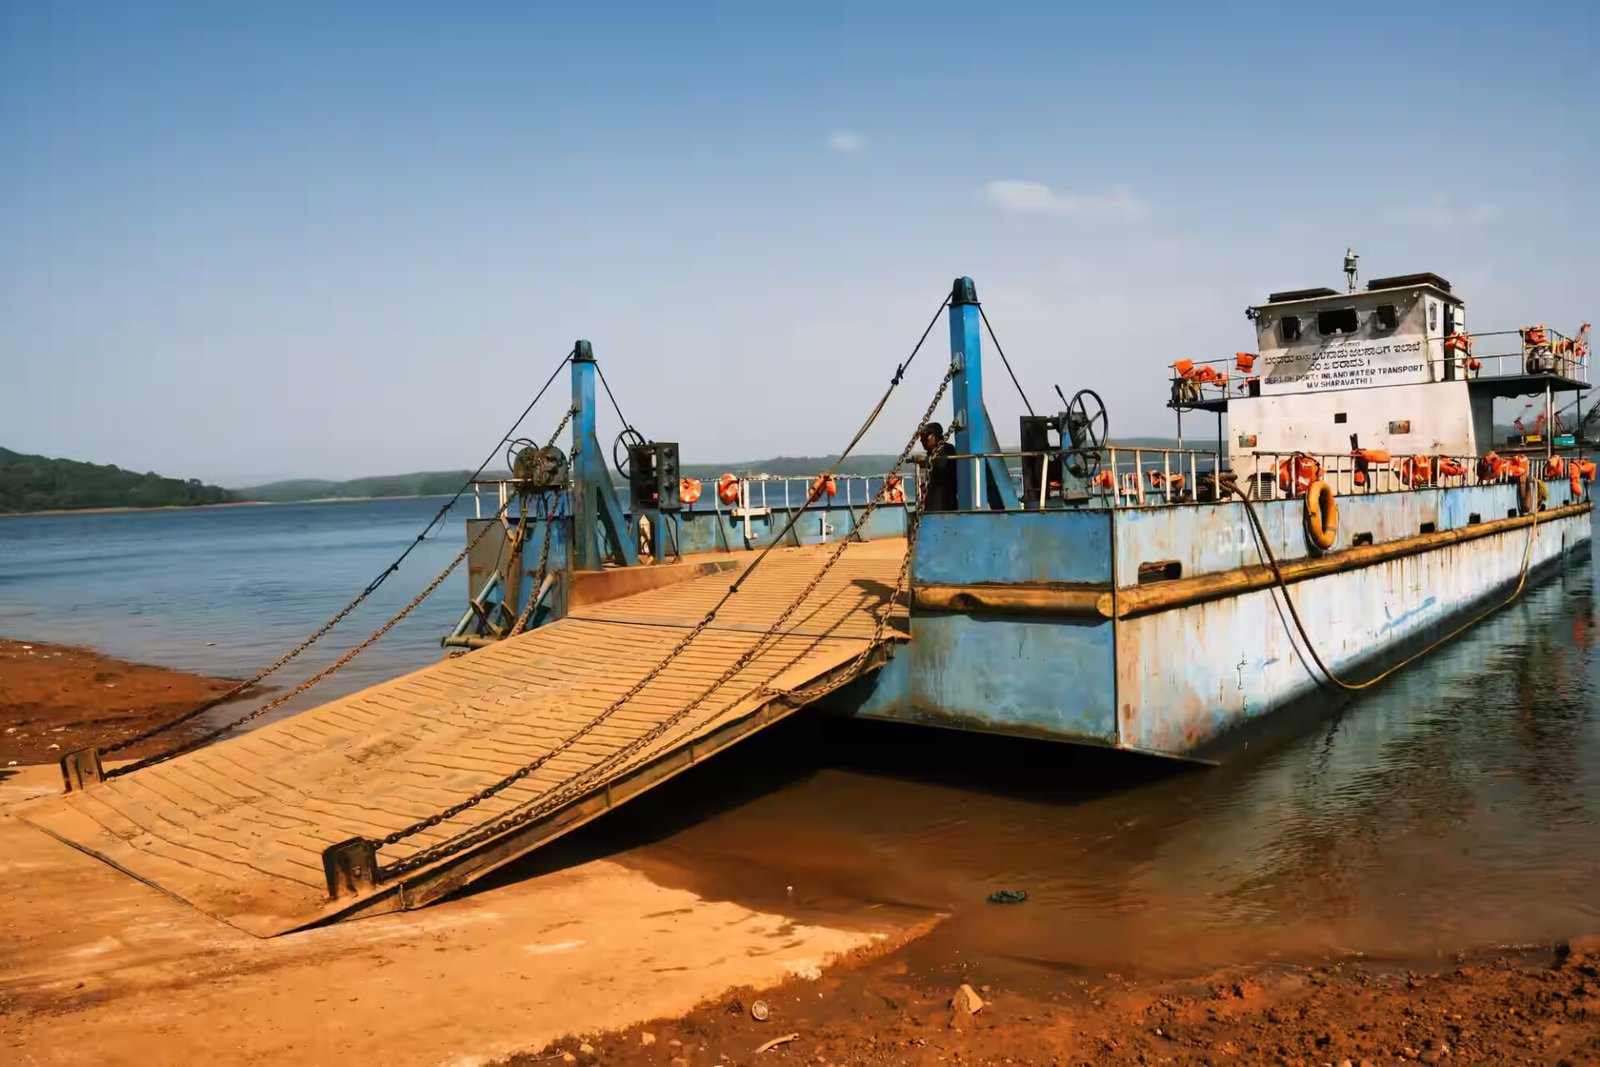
534 466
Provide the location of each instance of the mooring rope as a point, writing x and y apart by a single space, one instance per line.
1265 548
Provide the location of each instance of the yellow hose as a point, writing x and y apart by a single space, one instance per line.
1272 561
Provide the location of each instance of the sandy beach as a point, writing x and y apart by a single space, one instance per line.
572 959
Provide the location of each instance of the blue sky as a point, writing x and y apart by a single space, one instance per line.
259 240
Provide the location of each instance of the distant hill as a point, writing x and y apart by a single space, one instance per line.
38 483
419 483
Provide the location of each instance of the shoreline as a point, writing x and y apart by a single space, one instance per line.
57 698
1510 1005
580 958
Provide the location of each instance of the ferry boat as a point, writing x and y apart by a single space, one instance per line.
1355 510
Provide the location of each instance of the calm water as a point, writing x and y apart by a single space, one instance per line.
1457 805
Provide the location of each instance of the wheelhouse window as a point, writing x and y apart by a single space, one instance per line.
1388 318
1338 320
1289 327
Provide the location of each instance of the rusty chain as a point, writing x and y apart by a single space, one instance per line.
538 579
277 702
544 553
558 794
344 612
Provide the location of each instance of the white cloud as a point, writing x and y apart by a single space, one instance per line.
1028 197
846 141
1443 213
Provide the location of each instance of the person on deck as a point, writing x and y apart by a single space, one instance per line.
939 494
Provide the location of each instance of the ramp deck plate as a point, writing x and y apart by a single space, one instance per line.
238 828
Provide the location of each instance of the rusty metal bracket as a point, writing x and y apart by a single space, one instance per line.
351 867
81 769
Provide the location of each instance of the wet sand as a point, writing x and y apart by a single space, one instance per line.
57 698
1538 1006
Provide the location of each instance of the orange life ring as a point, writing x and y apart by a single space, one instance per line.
688 490
1322 514
728 489
1297 473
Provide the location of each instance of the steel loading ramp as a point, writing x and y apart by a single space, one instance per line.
239 828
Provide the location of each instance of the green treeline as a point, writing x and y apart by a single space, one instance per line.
37 483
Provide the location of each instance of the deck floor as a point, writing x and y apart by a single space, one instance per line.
238 828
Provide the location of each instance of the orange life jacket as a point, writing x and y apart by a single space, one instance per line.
1416 470
1103 480
823 485
1449 468
1297 473
1534 336
1365 458
1517 465
1184 367
893 491
1458 342
1491 467
1244 361
1554 467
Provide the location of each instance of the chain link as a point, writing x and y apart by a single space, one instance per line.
538 580
559 793
277 702
372 587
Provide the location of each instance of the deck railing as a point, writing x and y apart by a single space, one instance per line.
1136 477
759 492
1495 354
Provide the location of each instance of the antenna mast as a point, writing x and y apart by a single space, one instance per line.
1350 258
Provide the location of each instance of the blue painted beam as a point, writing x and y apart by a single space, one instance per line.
974 433
593 499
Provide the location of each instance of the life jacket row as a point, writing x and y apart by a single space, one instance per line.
728 486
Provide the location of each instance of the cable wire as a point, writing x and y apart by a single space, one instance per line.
1004 360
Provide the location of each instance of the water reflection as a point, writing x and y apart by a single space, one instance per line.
1456 805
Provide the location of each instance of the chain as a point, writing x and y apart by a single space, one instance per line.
558 793
336 665
538 580
544 553
371 588
249 683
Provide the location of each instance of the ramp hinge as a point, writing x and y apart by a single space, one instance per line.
351 867
81 769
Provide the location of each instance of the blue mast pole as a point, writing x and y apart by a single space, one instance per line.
981 483
593 499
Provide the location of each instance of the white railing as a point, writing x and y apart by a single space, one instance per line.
1112 476
1279 475
1505 354
760 492
1135 477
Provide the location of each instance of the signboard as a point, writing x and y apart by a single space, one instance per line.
1345 363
